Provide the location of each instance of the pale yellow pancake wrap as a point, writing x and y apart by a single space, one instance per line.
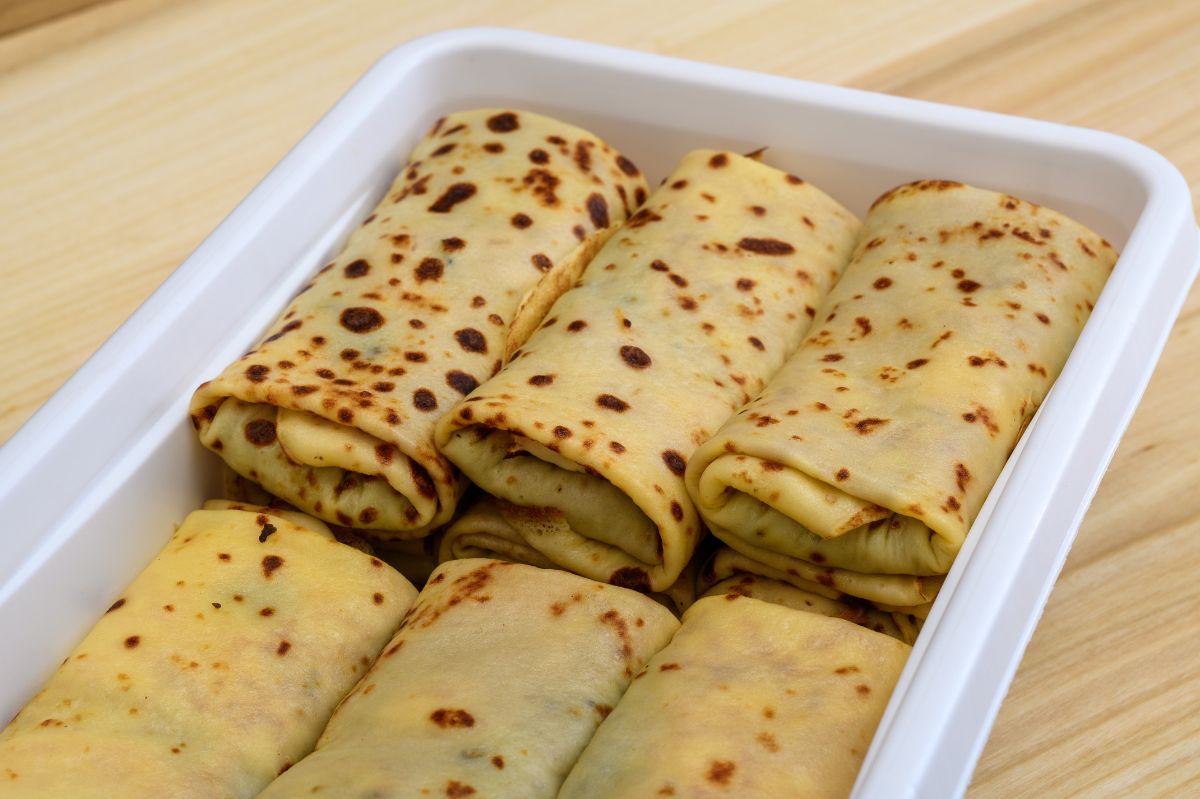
868 456
728 571
494 215
749 699
678 321
496 681
215 670
493 528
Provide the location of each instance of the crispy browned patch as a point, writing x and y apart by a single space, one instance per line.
631 577
721 771
504 122
765 246
448 718
675 462
457 790
868 425
455 194
260 432
635 357
767 741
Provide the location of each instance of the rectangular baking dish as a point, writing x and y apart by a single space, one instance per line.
91 486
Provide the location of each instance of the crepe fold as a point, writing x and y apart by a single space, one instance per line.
796 697
680 318
496 680
493 528
866 459
494 215
216 669
728 571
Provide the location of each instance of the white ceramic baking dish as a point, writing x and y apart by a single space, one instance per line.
91 486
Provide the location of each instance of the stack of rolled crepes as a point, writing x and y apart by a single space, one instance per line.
863 464
215 670
494 684
496 213
676 385
749 699
679 320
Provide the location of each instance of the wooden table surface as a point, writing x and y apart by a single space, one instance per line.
128 129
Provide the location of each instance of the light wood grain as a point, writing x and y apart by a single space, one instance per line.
16 15
128 130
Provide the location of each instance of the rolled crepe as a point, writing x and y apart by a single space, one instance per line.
493 528
495 214
754 699
677 322
866 459
215 670
728 571
494 684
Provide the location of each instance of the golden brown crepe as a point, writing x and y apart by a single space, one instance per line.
678 321
493 528
866 459
494 684
749 699
494 215
215 670
728 571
